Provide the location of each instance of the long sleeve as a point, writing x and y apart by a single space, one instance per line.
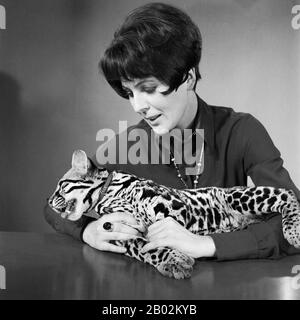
262 240
262 162
71 228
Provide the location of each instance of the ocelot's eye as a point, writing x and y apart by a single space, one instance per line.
63 189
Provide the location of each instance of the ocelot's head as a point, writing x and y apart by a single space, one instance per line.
78 190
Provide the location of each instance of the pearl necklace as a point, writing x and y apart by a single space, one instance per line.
199 164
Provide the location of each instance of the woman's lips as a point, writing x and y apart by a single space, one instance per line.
153 118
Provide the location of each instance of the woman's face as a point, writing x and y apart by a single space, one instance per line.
162 112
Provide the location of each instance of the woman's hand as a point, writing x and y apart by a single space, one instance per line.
97 237
169 233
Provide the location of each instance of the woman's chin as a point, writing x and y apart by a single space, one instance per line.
160 130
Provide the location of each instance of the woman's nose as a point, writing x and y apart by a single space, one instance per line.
139 103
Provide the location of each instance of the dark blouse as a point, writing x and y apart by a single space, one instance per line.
236 146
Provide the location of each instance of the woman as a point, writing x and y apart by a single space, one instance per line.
153 61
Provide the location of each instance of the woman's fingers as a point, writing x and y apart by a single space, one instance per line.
120 222
106 246
124 228
161 226
101 242
155 232
99 237
118 227
119 216
94 233
119 236
154 244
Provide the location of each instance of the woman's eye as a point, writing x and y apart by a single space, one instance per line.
148 90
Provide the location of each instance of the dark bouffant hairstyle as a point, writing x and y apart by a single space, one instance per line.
155 40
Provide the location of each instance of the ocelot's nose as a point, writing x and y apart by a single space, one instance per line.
50 200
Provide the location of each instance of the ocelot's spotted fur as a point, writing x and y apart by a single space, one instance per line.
202 211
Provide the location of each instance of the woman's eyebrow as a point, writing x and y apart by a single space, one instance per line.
142 82
139 83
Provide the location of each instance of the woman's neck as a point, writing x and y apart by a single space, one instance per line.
190 112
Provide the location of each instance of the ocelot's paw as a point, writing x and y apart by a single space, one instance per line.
176 265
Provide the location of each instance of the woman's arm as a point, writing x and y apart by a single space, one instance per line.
91 231
265 239
262 160
263 163
262 240
72 228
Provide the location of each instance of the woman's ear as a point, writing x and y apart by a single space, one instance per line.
191 79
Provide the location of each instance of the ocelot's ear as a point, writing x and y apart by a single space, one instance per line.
80 162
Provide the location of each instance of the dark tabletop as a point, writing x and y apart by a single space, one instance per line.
54 266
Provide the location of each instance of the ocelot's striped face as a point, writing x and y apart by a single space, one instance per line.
78 189
70 198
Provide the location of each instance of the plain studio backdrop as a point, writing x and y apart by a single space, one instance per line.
53 100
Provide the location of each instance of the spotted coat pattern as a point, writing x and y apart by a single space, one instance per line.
202 211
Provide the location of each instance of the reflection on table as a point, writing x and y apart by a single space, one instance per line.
54 266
